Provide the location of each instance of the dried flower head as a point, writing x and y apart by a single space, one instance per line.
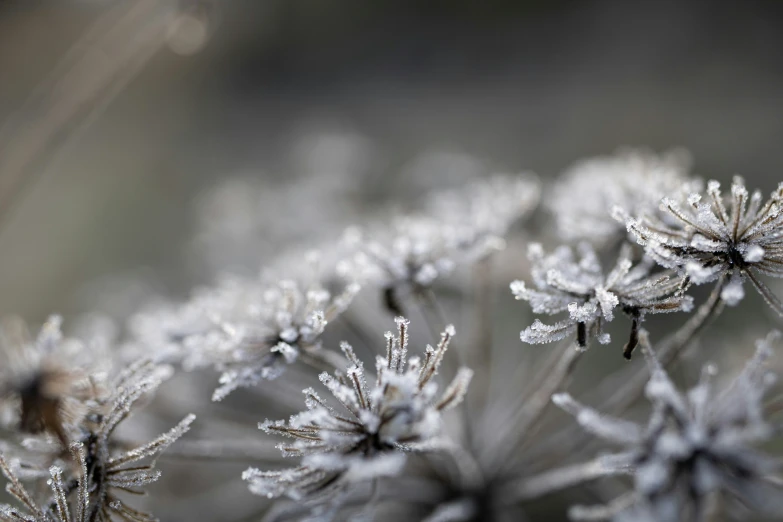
90 491
367 435
694 445
42 375
58 508
419 251
458 227
111 471
580 287
634 180
709 241
250 330
490 205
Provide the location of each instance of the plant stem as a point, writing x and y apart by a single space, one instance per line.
523 423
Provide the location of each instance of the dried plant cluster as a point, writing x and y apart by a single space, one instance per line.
462 427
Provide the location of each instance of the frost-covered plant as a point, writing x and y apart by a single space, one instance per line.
634 180
366 433
459 227
695 458
250 329
56 509
489 206
419 251
579 286
41 377
111 470
694 445
711 242
87 488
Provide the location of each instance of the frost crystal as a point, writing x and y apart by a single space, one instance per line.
367 432
251 329
489 205
632 180
110 471
694 444
58 508
419 251
460 227
707 241
563 283
103 472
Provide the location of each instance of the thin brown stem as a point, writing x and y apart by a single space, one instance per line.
771 299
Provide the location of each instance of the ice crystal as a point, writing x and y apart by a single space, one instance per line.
418 252
103 471
58 508
110 471
695 444
375 424
709 241
579 286
458 227
634 180
160 331
251 329
488 205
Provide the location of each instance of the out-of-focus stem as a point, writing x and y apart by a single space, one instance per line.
92 73
224 450
481 346
554 480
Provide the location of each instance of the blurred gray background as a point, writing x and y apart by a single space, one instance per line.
519 84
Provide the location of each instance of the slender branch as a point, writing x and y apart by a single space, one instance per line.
771 299
531 488
433 314
471 474
355 328
234 450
